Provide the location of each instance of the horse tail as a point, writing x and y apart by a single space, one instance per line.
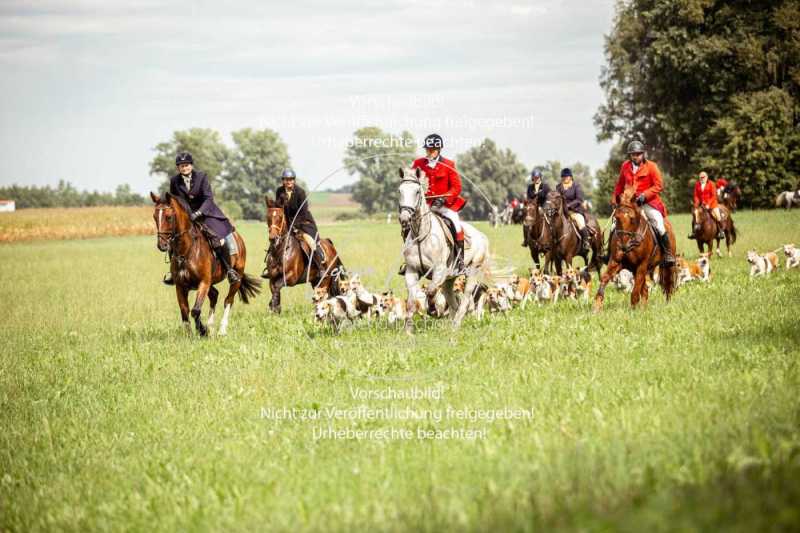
668 279
249 288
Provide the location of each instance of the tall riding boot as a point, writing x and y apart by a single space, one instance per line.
720 231
460 257
222 255
585 248
663 241
318 259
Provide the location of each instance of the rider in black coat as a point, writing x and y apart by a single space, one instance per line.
295 206
200 197
537 190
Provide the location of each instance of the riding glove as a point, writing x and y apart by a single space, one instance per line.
194 216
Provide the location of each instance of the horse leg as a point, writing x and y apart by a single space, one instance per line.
608 275
645 291
639 283
412 286
275 287
213 293
197 309
183 303
719 250
223 325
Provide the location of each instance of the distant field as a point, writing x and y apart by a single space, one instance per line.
92 222
678 417
75 223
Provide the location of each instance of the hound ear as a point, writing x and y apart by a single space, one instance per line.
154 197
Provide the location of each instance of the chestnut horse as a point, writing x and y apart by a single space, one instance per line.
634 247
560 240
532 230
287 264
704 229
193 264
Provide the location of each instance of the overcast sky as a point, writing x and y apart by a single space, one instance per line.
89 87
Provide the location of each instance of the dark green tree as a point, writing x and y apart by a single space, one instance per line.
678 71
206 147
489 177
375 155
253 169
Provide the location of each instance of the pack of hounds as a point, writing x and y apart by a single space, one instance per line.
357 302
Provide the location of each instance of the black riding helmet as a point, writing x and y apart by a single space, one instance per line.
434 140
184 157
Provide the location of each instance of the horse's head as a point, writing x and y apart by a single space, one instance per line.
531 211
276 219
410 194
627 213
553 205
165 219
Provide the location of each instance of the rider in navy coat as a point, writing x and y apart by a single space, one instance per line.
193 187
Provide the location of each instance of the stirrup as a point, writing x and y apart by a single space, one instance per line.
168 279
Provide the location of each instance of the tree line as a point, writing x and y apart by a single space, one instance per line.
66 195
711 86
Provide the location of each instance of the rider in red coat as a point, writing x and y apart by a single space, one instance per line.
645 177
444 189
705 194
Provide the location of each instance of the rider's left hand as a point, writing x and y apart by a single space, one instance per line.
194 216
640 200
438 202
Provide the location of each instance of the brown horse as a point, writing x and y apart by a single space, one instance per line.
288 264
560 240
193 264
729 196
532 230
634 247
704 229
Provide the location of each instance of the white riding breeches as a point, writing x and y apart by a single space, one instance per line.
655 217
579 220
450 215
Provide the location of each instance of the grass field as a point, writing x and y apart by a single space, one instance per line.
679 417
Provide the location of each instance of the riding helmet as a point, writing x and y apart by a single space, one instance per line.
288 174
434 140
566 172
635 147
536 173
184 157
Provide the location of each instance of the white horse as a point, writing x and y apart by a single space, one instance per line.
426 250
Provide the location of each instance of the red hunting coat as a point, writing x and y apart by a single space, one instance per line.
442 179
706 196
647 181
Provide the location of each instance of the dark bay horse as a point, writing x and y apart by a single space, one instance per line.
193 264
560 240
634 247
287 264
532 230
704 229
729 196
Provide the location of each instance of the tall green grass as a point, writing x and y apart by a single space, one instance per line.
680 416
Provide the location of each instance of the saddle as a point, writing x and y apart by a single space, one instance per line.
304 245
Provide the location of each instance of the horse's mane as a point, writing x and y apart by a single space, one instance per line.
180 201
627 196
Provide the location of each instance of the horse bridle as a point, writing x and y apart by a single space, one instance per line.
174 236
635 238
416 221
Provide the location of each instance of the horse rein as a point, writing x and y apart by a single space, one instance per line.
174 236
635 238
